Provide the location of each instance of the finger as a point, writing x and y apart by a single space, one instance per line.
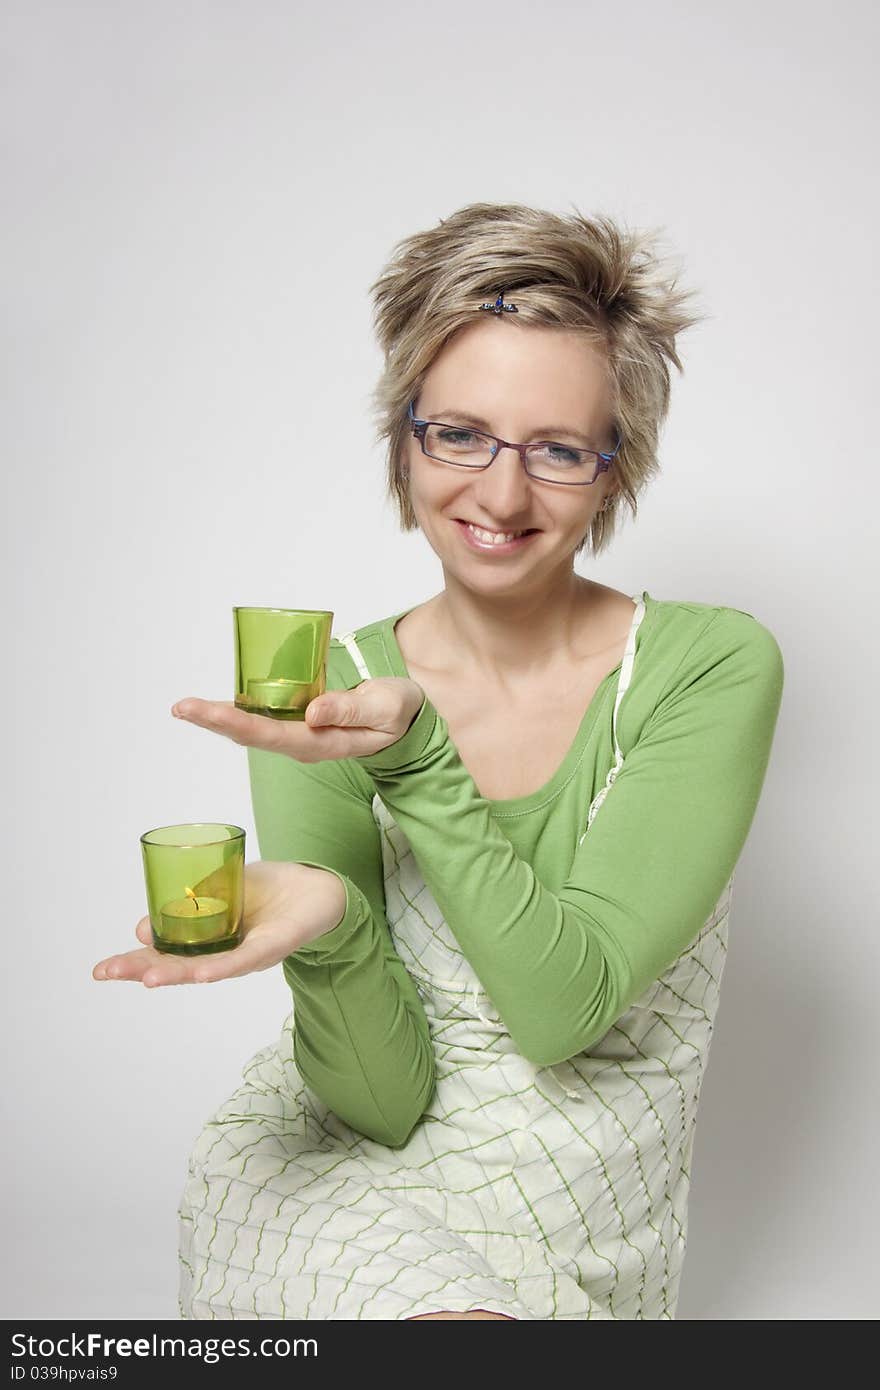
149 966
339 710
224 717
374 704
129 966
166 968
144 931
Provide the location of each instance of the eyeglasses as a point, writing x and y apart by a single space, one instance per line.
546 461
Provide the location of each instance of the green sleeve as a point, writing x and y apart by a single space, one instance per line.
361 1038
561 967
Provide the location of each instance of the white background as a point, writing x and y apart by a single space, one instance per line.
197 196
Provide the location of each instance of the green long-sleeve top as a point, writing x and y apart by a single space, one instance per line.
563 937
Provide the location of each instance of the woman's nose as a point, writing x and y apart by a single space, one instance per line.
504 488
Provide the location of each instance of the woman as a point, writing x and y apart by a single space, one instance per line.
498 853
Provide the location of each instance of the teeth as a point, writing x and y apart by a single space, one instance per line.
493 537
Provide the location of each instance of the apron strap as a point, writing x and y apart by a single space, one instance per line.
626 669
356 655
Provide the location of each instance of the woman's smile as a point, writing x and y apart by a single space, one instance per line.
480 539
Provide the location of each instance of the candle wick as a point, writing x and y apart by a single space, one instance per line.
190 894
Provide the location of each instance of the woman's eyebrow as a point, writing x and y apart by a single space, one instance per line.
545 431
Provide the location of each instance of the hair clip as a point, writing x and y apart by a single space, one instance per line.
498 306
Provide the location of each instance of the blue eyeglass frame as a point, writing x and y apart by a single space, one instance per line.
605 460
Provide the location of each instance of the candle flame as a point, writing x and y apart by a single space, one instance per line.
190 894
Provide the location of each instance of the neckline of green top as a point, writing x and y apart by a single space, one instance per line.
518 805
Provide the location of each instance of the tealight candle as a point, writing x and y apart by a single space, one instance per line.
279 694
191 920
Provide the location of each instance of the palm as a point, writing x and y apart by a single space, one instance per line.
371 716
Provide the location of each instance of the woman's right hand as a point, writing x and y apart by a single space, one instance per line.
285 906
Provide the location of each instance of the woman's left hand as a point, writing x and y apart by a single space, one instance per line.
338 724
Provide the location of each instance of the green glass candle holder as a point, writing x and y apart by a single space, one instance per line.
195 887
280 659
